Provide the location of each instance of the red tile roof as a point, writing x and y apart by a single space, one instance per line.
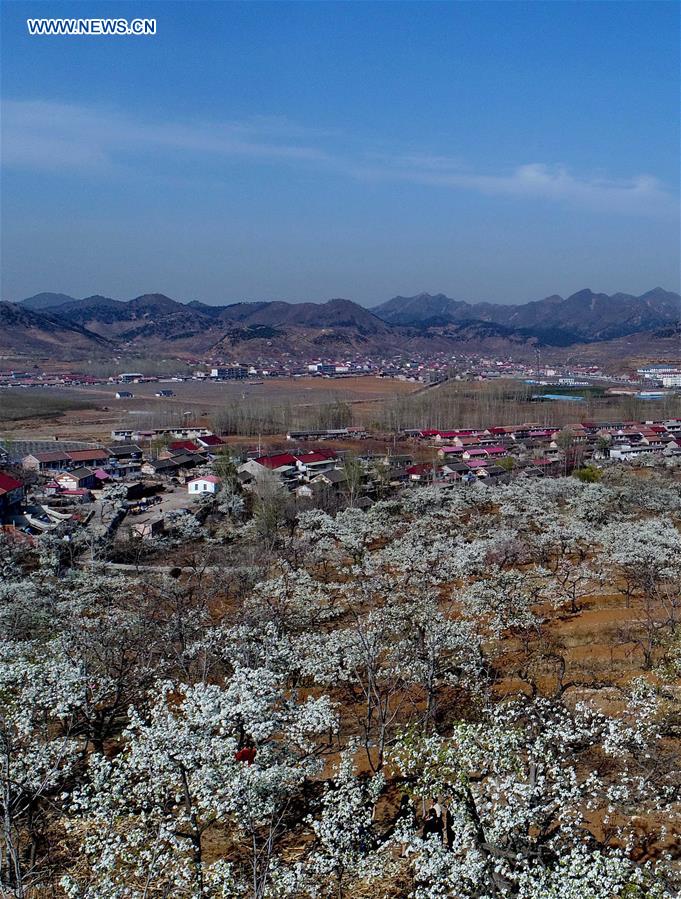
276 461
88 455
314 457
186 445
423 468
8 483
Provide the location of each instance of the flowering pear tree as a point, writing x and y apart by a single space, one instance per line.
344 846
143 818
523 788
502 601
39 750
571 582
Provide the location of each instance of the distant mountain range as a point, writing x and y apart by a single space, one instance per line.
582 317
59 326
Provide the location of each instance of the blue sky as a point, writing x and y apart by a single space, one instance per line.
300 151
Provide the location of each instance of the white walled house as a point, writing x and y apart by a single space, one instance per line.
207 484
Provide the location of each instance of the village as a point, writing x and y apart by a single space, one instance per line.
135 486
421 368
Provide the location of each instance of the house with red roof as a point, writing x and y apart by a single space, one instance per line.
542 433
277 461
548 466
438 434
210 442
425 472
450 452
284 465
503 430
313 463
474 453
92 457
475 464
466 441
11 492
183 446
496 452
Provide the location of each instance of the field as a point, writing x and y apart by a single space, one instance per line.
19 405
275 406
238 407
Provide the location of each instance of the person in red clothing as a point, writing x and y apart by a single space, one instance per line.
247 753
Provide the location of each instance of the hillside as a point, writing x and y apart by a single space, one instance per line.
313 687
584 316
40 333
62 326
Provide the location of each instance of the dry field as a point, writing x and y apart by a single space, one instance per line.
271 408
195 401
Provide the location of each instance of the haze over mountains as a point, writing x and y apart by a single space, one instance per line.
60 326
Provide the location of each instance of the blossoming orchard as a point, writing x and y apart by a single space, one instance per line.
455 694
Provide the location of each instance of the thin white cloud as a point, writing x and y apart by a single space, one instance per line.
39 134
642 194
56 137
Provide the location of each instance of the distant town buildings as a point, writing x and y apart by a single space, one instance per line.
230 373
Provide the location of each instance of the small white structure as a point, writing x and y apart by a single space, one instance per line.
207 484
626 451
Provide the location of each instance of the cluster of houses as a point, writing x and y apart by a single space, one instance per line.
55 476
183 460
634 439
77 471
482 453
305 474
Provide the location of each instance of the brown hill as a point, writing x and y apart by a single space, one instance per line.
23 331
156 323
553 321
